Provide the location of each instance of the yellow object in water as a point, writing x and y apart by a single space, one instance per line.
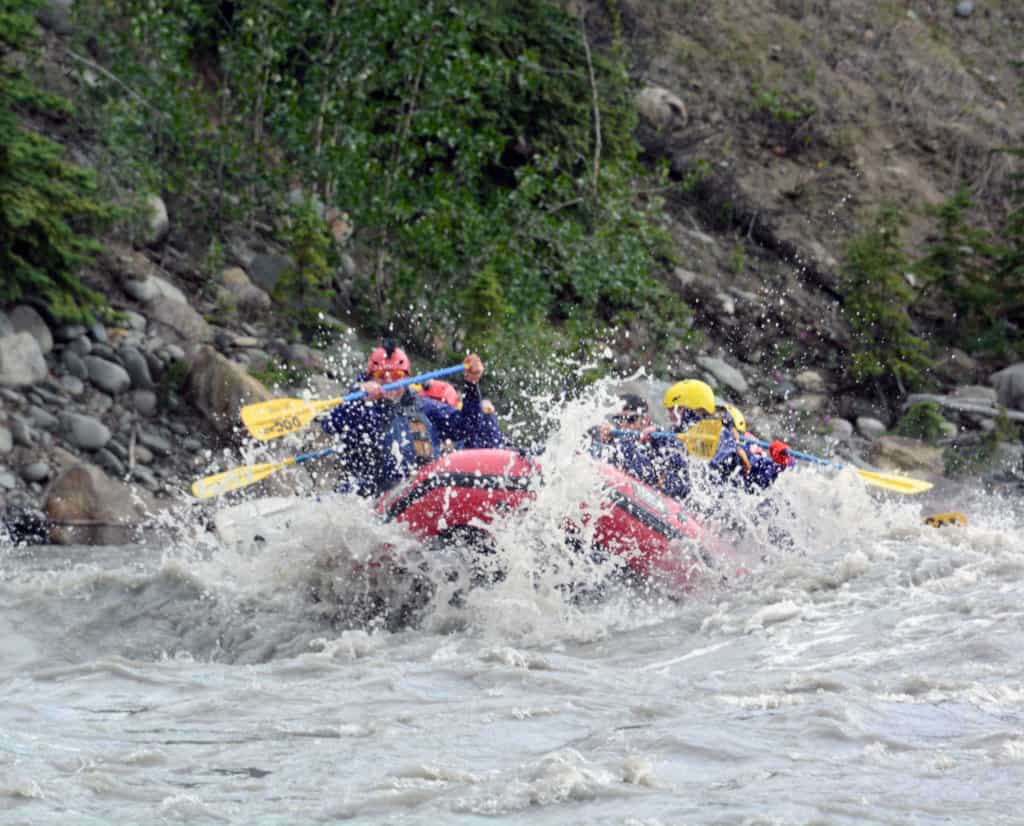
944 520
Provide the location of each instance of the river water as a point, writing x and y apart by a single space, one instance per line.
872 673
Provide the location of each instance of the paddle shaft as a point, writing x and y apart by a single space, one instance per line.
434 374
747 440
796 454
279 417
900 484
654 434
316 454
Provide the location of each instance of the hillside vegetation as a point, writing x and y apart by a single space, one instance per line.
816 128
846 169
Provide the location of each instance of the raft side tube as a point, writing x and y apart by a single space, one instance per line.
464 488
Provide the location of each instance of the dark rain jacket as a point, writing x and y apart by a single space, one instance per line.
729 467
662 462
381 442
666 469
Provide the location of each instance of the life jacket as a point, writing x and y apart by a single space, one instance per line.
414 435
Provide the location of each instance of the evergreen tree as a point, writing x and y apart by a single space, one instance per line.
973 272
49 208
875 304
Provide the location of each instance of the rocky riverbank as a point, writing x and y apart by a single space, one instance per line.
101 427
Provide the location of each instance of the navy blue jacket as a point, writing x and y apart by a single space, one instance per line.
658 462
375 439
664 464
728 466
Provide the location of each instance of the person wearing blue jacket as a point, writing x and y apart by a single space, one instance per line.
630 448
691 401
661 461
385 437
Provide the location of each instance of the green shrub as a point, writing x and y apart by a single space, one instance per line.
958 267
787 117
970 460
305 290
49 208
172 382
274 374
875 305
924 421
974 459
782 107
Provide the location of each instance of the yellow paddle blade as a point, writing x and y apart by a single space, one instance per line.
278 417
702 439
239 477
890 481
942 520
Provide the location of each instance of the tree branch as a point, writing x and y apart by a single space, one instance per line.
111 76
597 109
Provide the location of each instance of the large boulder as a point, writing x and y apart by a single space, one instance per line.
725 374
158 223
25 319
85 431
178 323
87 507
1009 384
956 366
21 361
870 427
661 108
810 381
266 269
909 455
107 375
219 389
251 301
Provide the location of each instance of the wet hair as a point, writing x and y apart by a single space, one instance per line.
633 403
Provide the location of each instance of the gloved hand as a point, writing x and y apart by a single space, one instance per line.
473 369
780 454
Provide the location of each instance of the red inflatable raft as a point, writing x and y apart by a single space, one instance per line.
653 532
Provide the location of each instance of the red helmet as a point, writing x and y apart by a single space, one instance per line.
384 364
442 391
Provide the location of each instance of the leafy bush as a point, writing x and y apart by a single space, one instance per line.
274 374
875 305
49 208
172 382
924 421
787 118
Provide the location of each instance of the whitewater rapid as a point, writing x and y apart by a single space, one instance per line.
873 673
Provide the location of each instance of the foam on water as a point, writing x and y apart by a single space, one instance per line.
868 671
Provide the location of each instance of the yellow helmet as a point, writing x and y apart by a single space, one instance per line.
739 421
692 394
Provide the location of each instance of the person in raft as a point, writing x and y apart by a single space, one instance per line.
622 444
663 462
691 401
383 438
